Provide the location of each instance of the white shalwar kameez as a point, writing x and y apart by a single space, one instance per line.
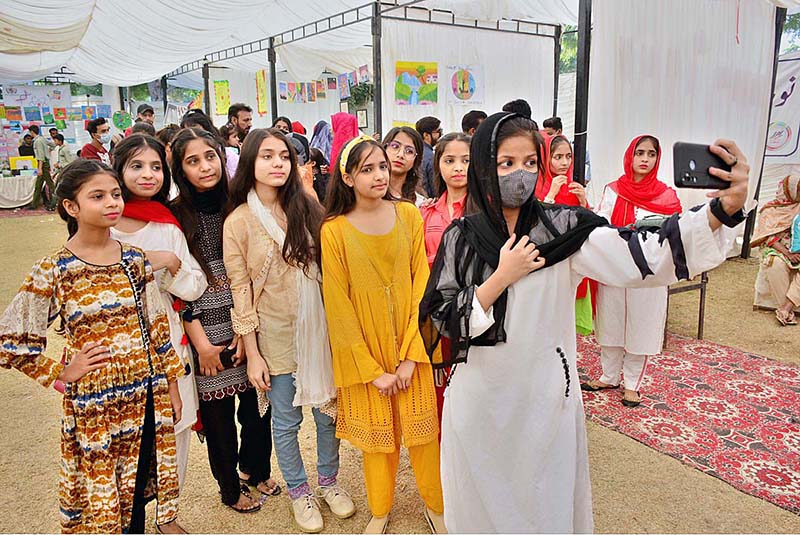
514 454
630 318
187 284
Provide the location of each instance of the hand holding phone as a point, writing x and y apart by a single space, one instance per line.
691 163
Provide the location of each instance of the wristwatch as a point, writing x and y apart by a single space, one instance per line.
726 219
549 200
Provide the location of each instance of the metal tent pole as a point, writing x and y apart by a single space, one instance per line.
164 96
556 67
749 226
582 88
377 99
206 91
273 79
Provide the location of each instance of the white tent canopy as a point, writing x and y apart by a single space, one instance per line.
119 42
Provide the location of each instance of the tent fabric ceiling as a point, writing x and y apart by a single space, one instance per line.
119 42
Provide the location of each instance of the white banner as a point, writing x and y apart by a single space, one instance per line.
783 140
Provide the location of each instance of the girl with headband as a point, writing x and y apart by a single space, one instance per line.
374 271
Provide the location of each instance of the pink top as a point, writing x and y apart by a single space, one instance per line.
436 219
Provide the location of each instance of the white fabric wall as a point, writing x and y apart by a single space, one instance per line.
524 68
675 70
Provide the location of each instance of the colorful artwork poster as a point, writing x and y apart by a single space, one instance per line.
15 126
321 90
331 84
363 74
60 114
465 84
283 91
48 118
291 92
75 114
33 113
222 97
352 78
104 110
261 92
89 112
302 97
122 119
2 111
61 124
344 86
14 113
416 83
311 91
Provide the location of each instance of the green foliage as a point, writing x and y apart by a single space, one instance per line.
360 94
429 93
569 49
420 70
81 90
790 39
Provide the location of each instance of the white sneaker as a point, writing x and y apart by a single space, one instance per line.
306 514
338 500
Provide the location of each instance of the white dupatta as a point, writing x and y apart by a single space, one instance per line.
314 376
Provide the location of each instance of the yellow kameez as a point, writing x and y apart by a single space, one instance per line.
372 286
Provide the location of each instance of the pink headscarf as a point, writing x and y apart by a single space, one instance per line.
345 128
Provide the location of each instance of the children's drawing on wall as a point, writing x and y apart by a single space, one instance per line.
416 83
465 83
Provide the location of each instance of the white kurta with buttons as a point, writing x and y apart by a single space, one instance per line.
514 453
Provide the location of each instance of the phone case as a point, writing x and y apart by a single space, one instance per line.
691 162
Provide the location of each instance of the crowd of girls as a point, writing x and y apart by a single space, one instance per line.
447 327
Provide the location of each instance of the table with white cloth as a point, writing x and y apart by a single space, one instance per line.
16 191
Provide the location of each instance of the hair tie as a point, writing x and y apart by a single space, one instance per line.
349 147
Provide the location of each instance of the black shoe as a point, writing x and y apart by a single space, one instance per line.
629 403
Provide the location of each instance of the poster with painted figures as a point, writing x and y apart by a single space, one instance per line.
465 84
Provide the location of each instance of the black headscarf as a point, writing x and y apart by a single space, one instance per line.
470 249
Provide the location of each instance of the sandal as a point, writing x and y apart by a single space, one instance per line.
182 530
274 490
785 318
593 386
630 402
254 508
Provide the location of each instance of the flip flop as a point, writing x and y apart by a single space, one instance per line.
273 491
785 320
592 388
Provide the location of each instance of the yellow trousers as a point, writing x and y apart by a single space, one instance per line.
380 475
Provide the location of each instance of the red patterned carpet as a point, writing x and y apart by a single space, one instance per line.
725 412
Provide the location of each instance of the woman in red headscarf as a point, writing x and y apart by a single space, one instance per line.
557 186
345 128
558 168
630 323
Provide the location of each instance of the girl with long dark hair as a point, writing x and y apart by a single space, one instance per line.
268 243
219 354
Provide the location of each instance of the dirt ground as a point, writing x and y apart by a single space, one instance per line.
635 488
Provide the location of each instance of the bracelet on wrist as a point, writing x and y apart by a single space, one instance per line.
724 217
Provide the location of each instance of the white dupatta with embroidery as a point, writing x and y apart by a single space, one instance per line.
314 375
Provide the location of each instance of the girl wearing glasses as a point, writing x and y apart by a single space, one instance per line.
403 145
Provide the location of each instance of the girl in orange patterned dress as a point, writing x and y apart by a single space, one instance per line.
121 399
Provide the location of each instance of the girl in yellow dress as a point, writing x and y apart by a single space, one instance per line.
374 272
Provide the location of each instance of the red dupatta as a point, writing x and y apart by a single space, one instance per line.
564 196
650 194
149 211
